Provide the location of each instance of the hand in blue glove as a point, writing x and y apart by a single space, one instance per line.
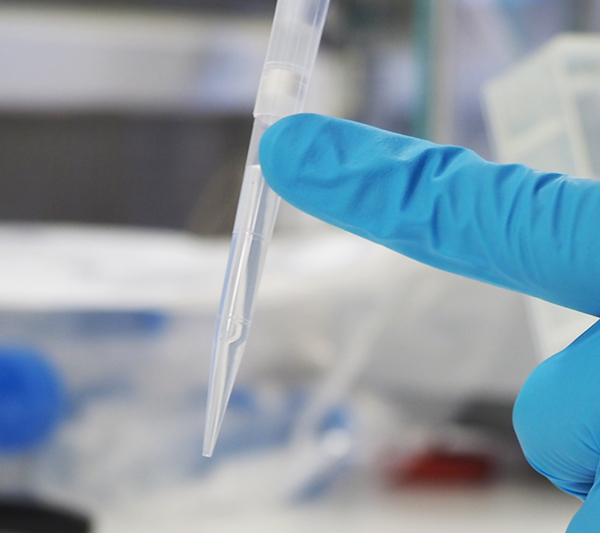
508 225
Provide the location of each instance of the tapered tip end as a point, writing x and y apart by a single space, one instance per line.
227 355
209 446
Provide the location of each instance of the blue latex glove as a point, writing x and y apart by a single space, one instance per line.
508 225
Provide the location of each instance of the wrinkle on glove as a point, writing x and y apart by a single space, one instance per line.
529 231
507 225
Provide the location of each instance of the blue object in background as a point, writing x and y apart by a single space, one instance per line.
120 323
258 422
31 399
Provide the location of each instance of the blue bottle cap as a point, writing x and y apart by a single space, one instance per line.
31 398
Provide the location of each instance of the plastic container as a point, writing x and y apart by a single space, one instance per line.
545 113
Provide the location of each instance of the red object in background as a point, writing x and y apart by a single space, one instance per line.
442 467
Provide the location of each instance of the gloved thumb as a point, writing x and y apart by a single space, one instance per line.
557 421
587 518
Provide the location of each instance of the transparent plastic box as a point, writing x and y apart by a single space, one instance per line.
545 113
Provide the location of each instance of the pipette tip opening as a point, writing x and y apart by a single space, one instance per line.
208 448
211 433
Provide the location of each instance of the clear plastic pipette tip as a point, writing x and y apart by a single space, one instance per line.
228 351
295 36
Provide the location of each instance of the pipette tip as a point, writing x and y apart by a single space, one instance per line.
215 412
211 433
227 355
209 447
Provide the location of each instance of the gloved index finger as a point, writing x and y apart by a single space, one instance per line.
508 225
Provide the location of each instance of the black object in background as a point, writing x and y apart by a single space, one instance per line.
247 6
34 517
144 170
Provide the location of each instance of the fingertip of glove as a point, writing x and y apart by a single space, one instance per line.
282 145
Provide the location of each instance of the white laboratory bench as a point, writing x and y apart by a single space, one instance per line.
501 508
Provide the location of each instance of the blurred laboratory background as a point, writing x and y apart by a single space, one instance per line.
376 393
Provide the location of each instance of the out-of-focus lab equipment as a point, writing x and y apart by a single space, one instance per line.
544 112
358 358
291 55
